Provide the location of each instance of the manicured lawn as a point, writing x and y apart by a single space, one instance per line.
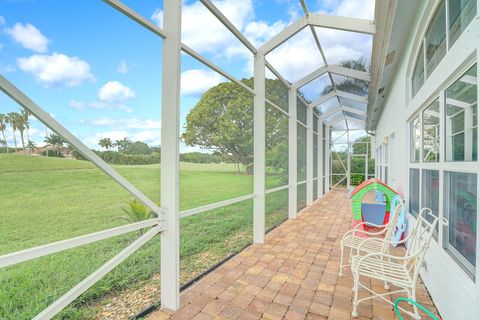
49 199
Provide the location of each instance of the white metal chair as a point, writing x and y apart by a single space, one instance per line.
352 239
399 271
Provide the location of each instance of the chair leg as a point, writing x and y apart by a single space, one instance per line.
340 272
356 280
413 296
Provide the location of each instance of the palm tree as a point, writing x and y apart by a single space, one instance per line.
55 141
3 127
25 115
105 143
31 146
20 124
351 85
11 116
122 144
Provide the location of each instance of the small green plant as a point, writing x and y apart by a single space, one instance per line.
136 212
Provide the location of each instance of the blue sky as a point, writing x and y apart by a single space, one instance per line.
99 74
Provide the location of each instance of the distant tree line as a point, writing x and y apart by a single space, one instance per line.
18 123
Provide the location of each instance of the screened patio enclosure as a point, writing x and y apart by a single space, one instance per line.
322 113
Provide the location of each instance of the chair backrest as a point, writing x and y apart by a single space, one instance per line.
420 237
397 207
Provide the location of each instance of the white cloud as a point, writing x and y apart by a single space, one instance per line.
127 123
115 92
56 70
297 57
29 37
197 81
112 95
123 67
357 9
205 33
150 137
157 17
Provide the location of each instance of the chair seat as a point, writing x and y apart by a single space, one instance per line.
353 242
384 270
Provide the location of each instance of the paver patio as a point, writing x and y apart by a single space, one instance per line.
294 275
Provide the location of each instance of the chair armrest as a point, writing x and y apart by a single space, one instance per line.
381 256
368 233
369 224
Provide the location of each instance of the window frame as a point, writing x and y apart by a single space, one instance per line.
421 50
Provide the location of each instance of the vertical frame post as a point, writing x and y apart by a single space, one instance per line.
320 155
309 156
349 156
259 150
327 158
170 238
292 153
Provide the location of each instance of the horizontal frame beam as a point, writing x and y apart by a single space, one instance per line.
277 107
191 212
41 251
277 189
342 23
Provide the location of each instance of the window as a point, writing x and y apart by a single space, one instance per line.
433 47
418 72
461 118
435 39
460 13
461 211
431 133
414 191
386 162
415 140
430 193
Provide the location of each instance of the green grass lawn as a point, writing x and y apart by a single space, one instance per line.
50 199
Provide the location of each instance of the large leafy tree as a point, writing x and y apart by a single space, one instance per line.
222 120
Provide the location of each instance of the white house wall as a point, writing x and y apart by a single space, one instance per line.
454 293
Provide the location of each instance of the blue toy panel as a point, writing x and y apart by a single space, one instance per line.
374 212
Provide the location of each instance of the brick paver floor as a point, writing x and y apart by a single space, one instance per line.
294 275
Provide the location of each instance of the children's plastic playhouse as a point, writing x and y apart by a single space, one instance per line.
376 213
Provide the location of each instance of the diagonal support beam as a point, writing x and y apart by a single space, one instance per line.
322 99
342 23
352 96
283 36
310 77
355 111
347 72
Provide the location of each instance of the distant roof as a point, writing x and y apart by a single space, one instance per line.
369 182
